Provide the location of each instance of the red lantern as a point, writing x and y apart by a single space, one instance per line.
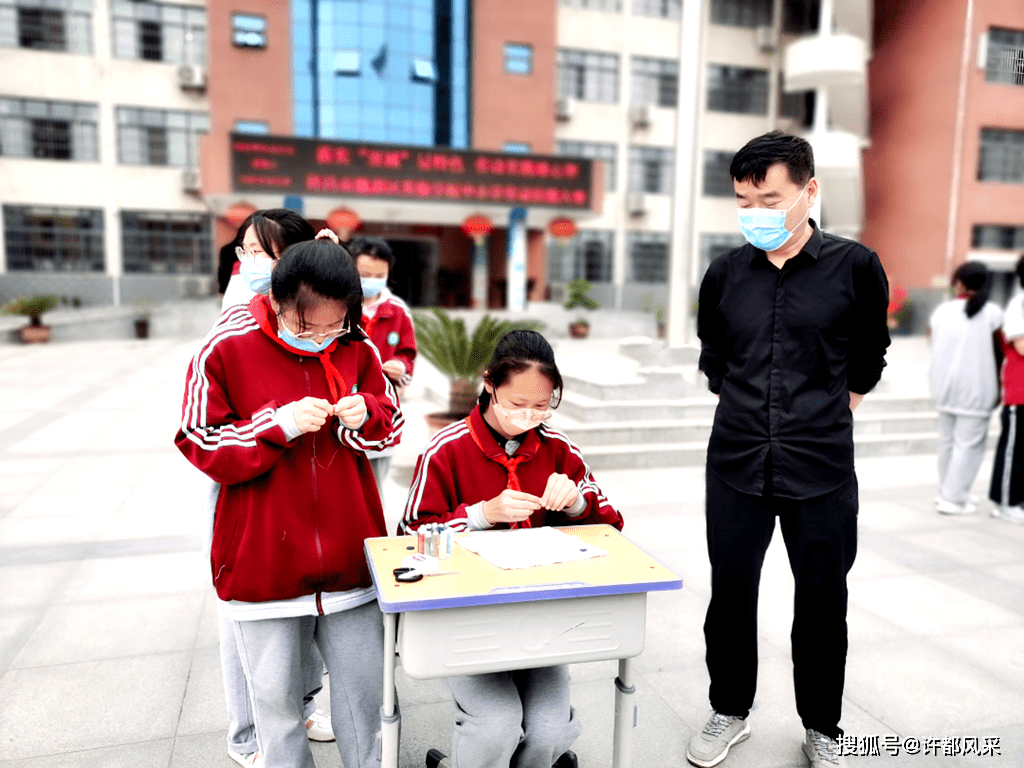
343 221
562 228
236 213
477 227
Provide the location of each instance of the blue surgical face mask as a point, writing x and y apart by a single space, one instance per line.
765 228
305 345
373 285
256 273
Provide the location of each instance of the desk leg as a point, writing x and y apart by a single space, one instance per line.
389 724
625 717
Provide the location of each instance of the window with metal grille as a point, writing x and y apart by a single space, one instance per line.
606 153
587 256
48 239
46 25
801 16
741 13
648 256
650 169
737 89
48 130
717 180
588 75
1003 237
1005 57
1002 156
665 9
714 244
595 5
798 105
160 137
655 81
159 32
170 242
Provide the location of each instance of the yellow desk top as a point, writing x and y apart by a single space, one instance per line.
625 569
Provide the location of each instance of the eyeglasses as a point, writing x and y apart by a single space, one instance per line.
247 253
334 333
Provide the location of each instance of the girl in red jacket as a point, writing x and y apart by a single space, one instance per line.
387 321
502 467
281 403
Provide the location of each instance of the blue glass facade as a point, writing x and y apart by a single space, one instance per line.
394 71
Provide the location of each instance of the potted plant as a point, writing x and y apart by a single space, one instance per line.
33 307
898 312
579 296
446 343
143 313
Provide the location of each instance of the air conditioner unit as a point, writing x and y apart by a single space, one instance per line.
636 203
564 109
192 77
766 39
640 115
191 181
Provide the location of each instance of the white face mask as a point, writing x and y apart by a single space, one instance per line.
520 419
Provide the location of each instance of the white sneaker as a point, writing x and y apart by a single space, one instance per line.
822 751
952 508
252 759
318 727
711 746
1009 514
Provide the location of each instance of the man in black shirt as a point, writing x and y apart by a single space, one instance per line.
793 335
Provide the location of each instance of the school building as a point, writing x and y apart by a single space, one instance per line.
134 135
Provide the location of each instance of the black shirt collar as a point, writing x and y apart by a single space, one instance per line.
812 247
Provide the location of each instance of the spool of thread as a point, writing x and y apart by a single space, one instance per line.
421 541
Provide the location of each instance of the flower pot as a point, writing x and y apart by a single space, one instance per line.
142 328
579 330
35 334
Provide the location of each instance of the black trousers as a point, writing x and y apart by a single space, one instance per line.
821 541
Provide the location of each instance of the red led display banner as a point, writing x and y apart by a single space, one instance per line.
295 166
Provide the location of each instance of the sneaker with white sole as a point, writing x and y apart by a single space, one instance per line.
822 751
251 760
710 746
318 727
1009 514
953 508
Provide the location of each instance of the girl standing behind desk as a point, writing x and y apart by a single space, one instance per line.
281 403
503 467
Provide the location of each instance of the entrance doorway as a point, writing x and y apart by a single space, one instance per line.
414 276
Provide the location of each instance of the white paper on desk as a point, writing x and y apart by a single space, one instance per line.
527 547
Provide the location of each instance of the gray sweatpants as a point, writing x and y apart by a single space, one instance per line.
961 451
522 719
274 653
241 731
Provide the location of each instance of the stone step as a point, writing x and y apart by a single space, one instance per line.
584 408
699 405
649 384
642 434
694 453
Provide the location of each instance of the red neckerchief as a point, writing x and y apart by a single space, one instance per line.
263 312
384 309
508 462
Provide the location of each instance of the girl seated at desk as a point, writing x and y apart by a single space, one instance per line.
504 467
281 403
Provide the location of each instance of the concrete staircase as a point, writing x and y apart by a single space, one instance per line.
658 412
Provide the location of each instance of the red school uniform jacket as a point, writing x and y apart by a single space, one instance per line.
392 332
292 515
452 473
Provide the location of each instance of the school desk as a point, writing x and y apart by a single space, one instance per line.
485 619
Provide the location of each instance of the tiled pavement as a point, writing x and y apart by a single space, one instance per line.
108 636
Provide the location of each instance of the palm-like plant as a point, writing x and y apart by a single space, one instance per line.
31 306
447 344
